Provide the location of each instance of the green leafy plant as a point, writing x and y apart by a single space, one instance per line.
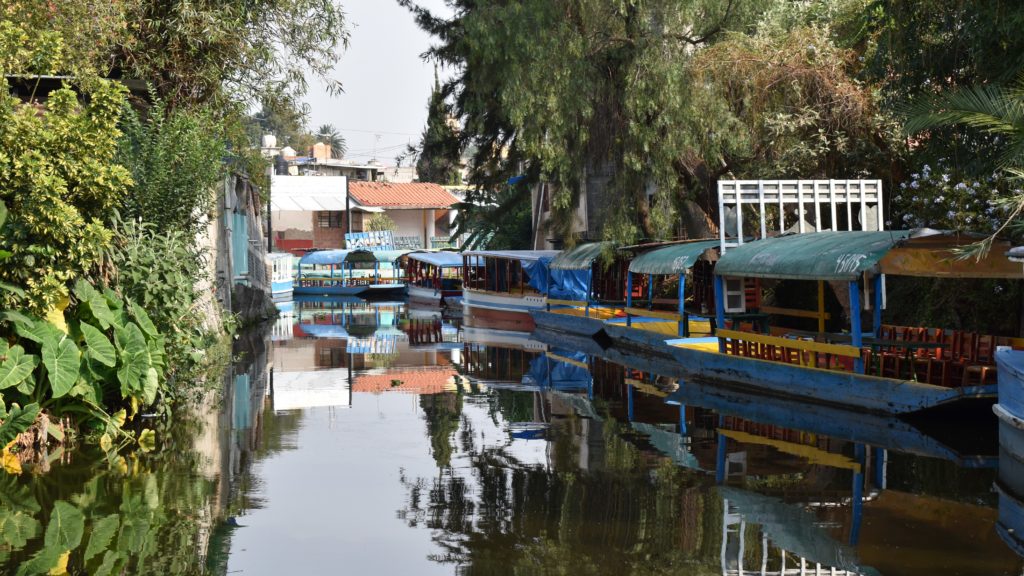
109 359
59 188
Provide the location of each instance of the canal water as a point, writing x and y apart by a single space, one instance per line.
371 438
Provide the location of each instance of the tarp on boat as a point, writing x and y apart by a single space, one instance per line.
813 256
324 257
581 257
569 284
672 259
438 259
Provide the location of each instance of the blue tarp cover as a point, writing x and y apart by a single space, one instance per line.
569 284
538 272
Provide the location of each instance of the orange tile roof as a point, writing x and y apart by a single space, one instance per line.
408 195
398 380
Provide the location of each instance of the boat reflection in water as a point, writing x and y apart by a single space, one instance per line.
640 469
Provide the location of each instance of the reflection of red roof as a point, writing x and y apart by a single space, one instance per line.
409 195
411 380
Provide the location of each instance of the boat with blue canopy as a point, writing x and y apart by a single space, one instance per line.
434 277
350 273
501 287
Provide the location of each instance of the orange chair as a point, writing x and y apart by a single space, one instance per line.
982 369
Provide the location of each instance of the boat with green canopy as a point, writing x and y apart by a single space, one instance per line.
878 369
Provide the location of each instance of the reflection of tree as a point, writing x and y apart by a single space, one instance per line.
442 413
630 513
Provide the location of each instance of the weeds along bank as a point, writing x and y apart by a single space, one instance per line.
105 324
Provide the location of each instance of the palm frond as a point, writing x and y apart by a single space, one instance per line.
988 108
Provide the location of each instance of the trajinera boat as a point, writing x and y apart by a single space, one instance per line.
500 288
350 273
282 275
434 278
885 369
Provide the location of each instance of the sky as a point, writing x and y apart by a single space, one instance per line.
386 83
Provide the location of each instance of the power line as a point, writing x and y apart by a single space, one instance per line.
377 132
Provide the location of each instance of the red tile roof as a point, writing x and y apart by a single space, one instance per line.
409 195
420 381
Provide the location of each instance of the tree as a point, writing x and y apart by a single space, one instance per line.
329 135
232 51
439 153
381 222
994 110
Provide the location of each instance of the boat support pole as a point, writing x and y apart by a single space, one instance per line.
720 310
856 332
683 328
629 297
876 326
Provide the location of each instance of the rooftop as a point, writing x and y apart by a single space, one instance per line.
406 195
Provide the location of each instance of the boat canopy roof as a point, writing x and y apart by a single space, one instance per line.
581 257
386 256
323 257
438 259
521 255
671 259
812 256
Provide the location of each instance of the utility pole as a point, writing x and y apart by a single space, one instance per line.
348 212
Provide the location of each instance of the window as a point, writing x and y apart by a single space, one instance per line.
735 300
329 219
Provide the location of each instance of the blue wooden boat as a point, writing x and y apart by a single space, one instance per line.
828 373
360 272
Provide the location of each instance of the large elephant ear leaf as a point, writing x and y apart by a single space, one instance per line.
94 300
143 320
16 367
134 359
98 346
63 361
150 386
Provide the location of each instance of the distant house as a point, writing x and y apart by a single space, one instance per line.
421 210
309 212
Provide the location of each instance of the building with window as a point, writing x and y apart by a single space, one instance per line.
309 212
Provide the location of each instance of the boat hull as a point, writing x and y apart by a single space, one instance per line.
651 352
1010 408
366 291
433 297
500 311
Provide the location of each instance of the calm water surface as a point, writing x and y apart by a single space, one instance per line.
374 439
